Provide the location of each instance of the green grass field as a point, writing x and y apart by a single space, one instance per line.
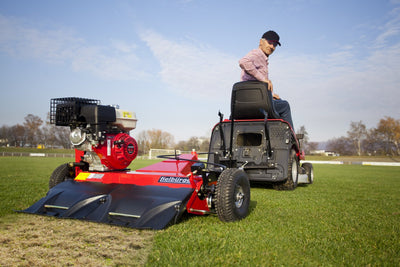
349 216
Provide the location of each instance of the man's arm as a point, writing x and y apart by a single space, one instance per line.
247 64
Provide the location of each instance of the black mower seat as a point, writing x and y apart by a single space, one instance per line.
249 98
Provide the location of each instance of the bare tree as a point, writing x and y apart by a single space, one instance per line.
357 133
341 145
193 143
154 139
17 136
55 136
62 136
32 126
304 141
182 145
205 144
160 139
143 141
198 143
311 146
373 143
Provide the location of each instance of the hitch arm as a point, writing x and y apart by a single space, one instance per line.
267 137
221 132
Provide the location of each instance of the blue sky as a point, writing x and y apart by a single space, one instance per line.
174 62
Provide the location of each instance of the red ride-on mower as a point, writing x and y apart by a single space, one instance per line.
98 187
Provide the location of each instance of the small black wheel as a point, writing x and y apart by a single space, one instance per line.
293 170
232 195
310 171
60 174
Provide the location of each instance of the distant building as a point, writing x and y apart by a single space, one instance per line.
4 141
323 153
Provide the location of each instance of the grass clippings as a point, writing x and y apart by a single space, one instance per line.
31 240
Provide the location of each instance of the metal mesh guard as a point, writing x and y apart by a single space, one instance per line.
73 101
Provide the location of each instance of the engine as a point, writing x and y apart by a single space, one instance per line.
102 132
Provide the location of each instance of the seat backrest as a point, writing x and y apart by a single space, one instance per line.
248 98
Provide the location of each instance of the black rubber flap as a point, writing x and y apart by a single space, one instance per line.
150 207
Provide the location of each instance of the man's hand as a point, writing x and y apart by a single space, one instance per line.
270 86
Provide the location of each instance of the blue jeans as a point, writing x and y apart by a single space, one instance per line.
282 107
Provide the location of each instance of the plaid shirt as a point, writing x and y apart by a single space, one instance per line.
254 66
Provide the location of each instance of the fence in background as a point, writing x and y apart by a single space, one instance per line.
60 155
365 163
27 154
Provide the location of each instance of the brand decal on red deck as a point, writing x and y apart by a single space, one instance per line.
174 180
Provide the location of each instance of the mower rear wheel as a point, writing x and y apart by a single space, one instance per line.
232 195
60 174
293 169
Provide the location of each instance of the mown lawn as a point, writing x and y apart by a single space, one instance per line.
349 216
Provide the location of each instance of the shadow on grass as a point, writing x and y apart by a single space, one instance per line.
185 217
267 185
261 185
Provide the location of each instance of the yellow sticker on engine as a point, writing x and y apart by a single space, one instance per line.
82 176
127 114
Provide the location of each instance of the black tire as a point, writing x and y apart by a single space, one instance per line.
310 171
232 195
60 174
293 173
